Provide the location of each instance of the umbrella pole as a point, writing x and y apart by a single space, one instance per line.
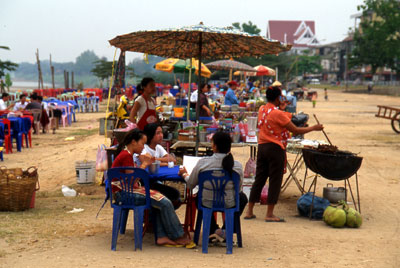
189 91
181 87
230 75
198 95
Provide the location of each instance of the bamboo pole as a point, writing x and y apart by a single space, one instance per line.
52 73
198 95
65 79
40 77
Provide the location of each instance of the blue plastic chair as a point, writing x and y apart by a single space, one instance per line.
81 104
1 140
73 106
127 202
16 132
94 103
26 128
218 180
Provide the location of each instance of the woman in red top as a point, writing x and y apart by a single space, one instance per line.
169 229
144 108
274 126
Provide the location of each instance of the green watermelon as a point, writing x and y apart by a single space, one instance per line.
337 218
354 218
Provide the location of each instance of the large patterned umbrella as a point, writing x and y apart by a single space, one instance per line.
198 41
229 65
180 66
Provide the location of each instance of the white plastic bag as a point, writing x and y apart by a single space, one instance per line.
68 191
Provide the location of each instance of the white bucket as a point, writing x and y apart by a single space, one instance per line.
85 171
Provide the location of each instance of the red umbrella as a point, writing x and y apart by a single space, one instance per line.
264 70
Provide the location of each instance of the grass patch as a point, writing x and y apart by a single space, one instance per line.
50 220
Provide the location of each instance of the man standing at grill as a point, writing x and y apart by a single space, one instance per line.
274 126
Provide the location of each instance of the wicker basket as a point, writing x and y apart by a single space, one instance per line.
16 188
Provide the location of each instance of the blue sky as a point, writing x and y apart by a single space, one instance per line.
67 28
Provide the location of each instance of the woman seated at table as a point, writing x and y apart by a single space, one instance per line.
221 159
169 229
154 150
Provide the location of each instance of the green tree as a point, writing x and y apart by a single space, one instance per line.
309 64
6 66
102 69
85 62
247 27
377 41
8 81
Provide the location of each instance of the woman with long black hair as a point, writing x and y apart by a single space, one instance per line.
153 149
144 108
204 109
222 158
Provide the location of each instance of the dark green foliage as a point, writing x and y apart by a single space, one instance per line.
102 69
247 27
6 65
377 42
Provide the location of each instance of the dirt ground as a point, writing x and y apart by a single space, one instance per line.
47 236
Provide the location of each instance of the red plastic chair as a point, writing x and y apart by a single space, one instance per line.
7 135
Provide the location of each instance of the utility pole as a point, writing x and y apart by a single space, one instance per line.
72 80
67 80
52 73
40 78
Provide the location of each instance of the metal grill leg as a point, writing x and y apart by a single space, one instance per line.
312 202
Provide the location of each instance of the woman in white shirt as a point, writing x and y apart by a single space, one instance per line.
154 149
153 146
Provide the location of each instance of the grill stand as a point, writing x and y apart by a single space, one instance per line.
293 170
357 205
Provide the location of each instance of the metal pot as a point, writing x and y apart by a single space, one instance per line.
334 194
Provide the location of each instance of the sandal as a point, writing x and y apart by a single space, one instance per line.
249 217
191 245
170 246
280 220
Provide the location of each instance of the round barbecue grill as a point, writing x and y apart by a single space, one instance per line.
333 166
